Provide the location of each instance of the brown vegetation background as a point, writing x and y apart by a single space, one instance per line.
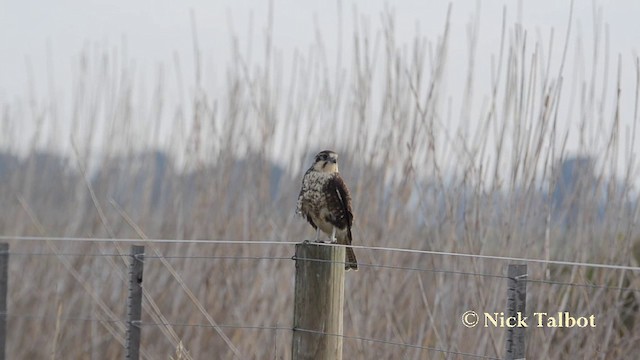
501 184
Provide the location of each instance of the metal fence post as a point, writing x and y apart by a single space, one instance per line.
318 303
516 306
4 282
134 303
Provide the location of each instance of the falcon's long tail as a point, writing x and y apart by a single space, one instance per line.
350 260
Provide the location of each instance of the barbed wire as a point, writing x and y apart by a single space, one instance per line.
375 248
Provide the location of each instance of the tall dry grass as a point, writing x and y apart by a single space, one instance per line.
489 184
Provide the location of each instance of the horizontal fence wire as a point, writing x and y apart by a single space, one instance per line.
140 323
139 241
387 342
376 248
151 257
592 286
259 258
56 318
247 327
363 265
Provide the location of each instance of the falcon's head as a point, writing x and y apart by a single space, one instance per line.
326 161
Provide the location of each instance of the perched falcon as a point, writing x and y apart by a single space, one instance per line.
325 202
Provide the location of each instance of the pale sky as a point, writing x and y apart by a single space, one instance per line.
154 30
39 35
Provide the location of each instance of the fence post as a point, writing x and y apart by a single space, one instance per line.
134 303
4 282
318 303
516 304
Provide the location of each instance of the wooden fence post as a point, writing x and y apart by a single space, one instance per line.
318 303
4 282
134 303
516 304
